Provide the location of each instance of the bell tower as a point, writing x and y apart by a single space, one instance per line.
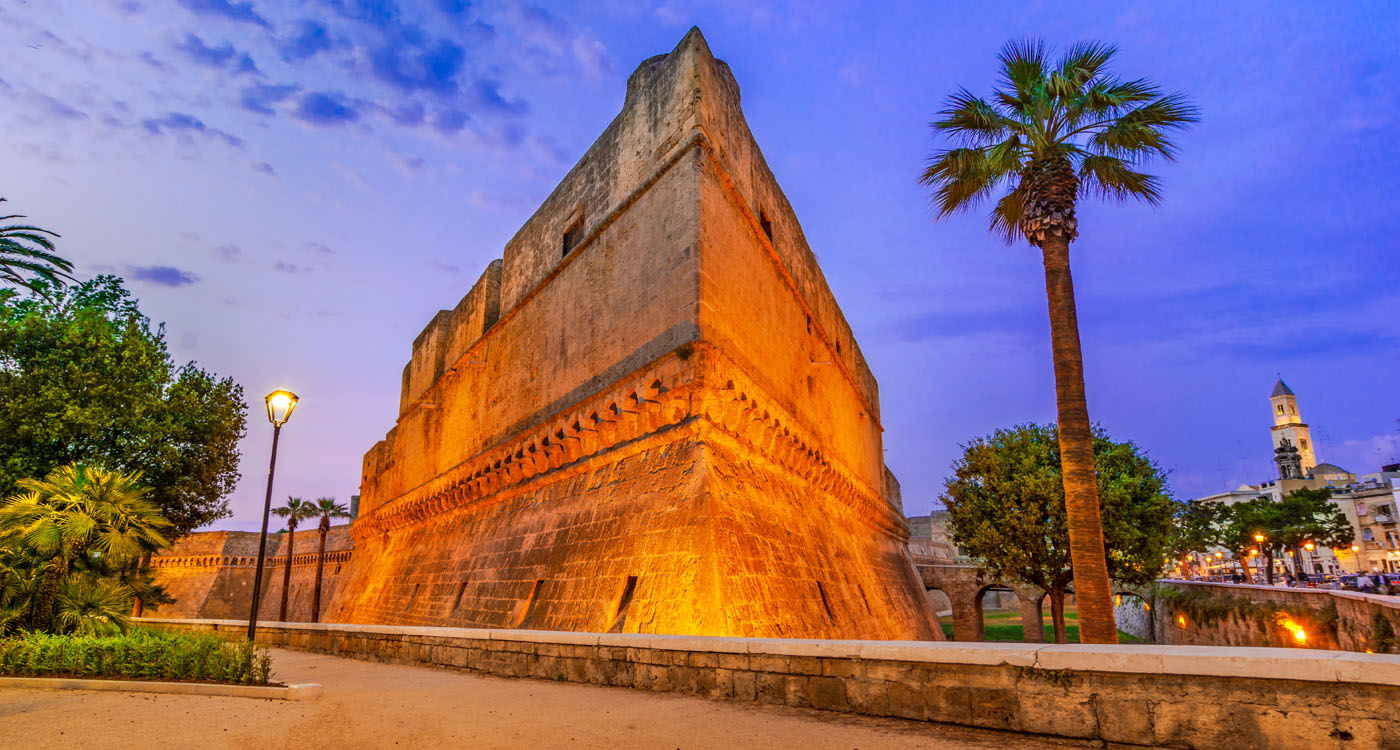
1289 426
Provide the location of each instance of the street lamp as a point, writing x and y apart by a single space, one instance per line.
1258 537
1356 550
279 409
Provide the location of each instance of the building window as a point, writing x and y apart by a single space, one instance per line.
765 225
1280 406
572 236
1303 444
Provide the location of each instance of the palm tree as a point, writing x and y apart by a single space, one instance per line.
295 511
25 248
327 508
80 529
1050 136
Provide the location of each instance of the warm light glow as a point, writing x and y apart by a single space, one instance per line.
1254 553
1219 555
1355 548
1258 537
1292 627
279 406
1181 620
1118 600
1146 607
1308 546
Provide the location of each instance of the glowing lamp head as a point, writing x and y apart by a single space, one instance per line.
1309 546
1355 548
1254 553
279 406
1258 537
1181 620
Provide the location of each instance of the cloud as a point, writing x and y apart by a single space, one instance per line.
264 168
486 93
410 66
224 56
443 266
291 267
261 96
155 62
318 248
233 10
592 55
228 252
450 121
311 37
57 108
163 275
326 108
181 123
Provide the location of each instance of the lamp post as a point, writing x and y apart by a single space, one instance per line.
279 409
1356 550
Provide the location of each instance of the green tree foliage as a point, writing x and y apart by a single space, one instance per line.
85 378
295 511
1006 508
72 547
327 508
27 257
1304 515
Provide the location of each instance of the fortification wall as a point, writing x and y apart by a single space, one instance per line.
668 396
1119 696
1210 614
210 573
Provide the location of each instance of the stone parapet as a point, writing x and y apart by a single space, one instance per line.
1221 614
1127 696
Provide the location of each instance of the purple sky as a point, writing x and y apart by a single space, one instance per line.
294 188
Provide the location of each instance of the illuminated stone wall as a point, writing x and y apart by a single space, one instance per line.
210 573
650 416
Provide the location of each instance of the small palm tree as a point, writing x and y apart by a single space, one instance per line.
1050 136
78 522
327 508
295 511
28 249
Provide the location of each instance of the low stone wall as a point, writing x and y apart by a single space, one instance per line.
1127 696
1215 614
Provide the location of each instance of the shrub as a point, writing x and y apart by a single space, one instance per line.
139 654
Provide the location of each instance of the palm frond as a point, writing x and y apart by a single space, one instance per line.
1023 71
1083 62
1006 216
1142 130
971 119
962 176
1111 177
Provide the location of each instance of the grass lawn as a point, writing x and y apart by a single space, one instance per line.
1006 626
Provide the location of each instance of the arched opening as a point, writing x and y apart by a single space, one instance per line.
999 613
942 604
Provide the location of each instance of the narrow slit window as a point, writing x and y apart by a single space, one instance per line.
619 619
529 613
766 225
457 603
572 236
826 603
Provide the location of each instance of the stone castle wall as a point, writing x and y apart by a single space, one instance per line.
210 573
650 415
1344 620
1121 697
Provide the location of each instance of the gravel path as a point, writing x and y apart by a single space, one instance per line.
369 705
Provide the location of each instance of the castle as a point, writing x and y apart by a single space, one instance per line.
649 416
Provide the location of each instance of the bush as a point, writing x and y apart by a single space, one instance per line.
138 654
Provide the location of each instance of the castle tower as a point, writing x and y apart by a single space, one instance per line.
650 416
1289 425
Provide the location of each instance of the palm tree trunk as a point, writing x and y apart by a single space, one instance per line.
1269 570
287 569
320 566
1091 587
137 605
1244 566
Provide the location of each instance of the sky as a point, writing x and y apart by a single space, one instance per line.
294 188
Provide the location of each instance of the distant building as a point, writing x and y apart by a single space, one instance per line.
1369 502
929 535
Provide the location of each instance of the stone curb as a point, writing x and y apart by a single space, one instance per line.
303 692
1308 665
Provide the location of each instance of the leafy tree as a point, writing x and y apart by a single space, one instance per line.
28 250
84 377
295 511
1053 134
327 508
1006 508
72 547
1302 516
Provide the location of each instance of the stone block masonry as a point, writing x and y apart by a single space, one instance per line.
649 416
1125 696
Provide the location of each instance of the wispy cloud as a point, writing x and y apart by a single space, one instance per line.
223 56
233 10
326 108
169 276
260 97
182 123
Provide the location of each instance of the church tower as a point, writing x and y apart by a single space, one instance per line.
1289 426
